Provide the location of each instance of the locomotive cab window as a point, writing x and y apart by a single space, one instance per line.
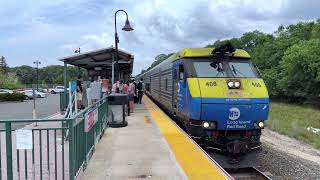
181 72
242 69
209 69
238 68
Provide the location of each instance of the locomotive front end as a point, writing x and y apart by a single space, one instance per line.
229 103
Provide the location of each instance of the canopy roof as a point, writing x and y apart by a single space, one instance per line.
102 59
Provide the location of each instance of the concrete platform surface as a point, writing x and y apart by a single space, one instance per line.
137 151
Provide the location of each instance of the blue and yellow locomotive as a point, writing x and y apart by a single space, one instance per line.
217 94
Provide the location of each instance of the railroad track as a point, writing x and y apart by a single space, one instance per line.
247 173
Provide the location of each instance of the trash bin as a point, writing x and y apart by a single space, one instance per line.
117 103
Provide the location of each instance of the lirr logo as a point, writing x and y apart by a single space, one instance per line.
234 113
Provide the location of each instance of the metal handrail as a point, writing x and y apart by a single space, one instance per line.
80 144
89 107
34 120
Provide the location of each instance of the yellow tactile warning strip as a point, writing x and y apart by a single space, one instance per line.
194 162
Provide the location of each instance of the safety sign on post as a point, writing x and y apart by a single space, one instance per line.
24 139
90 118
73 85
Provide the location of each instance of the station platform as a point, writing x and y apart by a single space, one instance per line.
152 146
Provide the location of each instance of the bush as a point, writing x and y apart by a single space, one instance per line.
301 70
12 97
9 81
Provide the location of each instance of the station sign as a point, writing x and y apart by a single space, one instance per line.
90 119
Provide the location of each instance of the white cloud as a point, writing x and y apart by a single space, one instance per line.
53 29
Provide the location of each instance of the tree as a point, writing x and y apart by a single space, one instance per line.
315 33
300 70
26 74
159 59
3 65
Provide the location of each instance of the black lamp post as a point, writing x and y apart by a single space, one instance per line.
37 62
126 27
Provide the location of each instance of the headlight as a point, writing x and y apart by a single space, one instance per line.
237 84
209 125
261 124
205 124
230 84
233 84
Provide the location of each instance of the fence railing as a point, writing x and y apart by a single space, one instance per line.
64 100
59 148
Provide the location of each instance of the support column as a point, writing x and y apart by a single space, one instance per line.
112 80
65 78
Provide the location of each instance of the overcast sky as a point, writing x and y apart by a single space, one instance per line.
50 29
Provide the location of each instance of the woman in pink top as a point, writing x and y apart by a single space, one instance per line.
131 93
125 87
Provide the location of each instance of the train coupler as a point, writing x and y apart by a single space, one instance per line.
237 147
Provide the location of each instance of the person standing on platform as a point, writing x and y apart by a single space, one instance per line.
131 94
125 87
135 98
79 93
140 88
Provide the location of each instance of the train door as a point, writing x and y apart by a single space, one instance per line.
179 84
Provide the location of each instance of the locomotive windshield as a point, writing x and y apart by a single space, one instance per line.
209 69
231 68
241 69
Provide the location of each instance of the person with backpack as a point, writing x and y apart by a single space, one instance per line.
140 88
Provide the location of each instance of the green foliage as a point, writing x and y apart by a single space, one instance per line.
293 120
159 59
9 81
300 69
26 74
3 65
12 97
53 74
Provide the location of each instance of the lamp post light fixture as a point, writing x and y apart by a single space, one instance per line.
77 51
126 27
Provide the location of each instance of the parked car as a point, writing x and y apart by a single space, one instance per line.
5 91
40 94
43 90
57 89
19 90
28 95
37 93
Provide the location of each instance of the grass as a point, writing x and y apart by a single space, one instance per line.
293 120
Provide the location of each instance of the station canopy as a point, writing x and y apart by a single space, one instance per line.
99 62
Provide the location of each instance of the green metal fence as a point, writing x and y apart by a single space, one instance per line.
64 100
58 152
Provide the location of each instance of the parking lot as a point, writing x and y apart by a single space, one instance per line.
23 110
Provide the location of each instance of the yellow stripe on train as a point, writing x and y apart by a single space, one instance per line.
218 88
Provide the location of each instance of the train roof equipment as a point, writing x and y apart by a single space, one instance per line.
223 50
